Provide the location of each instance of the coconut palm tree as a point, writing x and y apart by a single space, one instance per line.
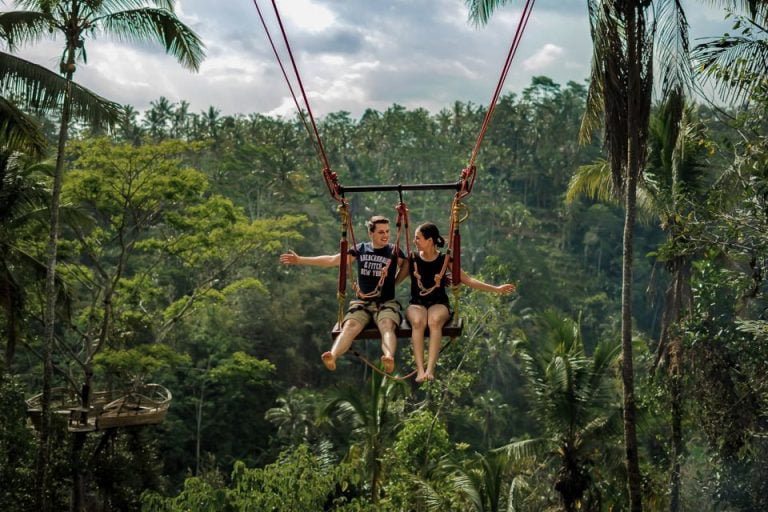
574 400
23 199
619 99
75 20
481 481
371 420
674 182
293 416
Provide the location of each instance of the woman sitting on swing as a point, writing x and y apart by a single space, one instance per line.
429 305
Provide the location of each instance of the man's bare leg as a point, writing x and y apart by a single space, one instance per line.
388 344
349 330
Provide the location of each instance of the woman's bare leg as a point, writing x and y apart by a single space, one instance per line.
437 316
417 317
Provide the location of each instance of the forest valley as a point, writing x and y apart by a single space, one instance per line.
167 273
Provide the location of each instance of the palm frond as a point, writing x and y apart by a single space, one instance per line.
123 5
467 484
673 48
20 27
23 191
480 11
528 448
138 25
592 119
18 131
43 89
757 9
594 182
427 494
738 64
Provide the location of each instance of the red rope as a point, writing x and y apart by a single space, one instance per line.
468 175
324 156
287 80
329 177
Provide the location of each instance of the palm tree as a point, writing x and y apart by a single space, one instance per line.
621 83
293 416
673 184
23 197
573 398
371 421
21 187
158 118
481 481
75 20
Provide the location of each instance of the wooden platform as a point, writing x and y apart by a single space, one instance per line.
451 330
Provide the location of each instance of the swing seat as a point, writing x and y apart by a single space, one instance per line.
452 330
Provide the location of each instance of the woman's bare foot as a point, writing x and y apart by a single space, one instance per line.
419 377
329 360
429 376
388 363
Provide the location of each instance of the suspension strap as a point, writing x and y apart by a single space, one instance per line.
455 250
300 110
341 294
330 177
469 173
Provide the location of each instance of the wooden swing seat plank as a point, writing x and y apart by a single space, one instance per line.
452 329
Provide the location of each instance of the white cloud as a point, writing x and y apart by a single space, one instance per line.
351 55
540 60
307 15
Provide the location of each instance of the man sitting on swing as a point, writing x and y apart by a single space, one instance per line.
380 265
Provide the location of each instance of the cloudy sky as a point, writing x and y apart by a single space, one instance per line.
352 54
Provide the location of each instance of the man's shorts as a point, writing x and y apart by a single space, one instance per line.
364 311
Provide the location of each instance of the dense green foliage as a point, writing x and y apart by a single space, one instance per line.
168 270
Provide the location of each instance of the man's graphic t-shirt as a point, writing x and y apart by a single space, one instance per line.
370 263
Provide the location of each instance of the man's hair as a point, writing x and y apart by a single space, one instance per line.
376 219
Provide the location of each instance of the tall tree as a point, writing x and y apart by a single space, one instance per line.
674 182
74 20
371 419
574 399
621 84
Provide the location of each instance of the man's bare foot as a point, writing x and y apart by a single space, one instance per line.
388 363
419 377
329 360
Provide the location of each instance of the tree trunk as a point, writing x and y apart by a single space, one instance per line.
677 428
627 369
44 450
199 419
77 503
633 167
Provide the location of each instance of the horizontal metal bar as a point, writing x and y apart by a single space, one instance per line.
418 186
